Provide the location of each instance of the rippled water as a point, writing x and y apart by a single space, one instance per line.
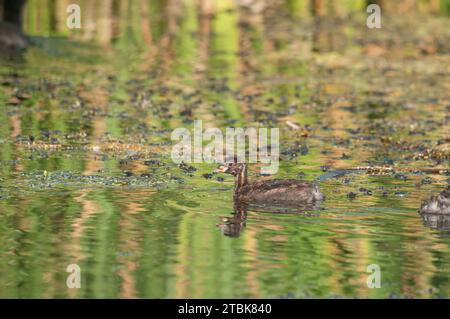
86 176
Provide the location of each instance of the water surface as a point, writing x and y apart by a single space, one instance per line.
86 176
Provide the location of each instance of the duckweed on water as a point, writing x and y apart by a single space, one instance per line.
86 175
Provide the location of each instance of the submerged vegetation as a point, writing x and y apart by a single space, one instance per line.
85 170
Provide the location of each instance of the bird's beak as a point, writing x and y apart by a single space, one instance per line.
221 169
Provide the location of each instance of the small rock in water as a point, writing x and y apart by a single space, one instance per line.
220 179
178 180
207 175
351 195
426 180
153 162
128 174
402 177
365 191
187 168
400 194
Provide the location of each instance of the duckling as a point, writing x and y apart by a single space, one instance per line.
435 211
289 192
437 205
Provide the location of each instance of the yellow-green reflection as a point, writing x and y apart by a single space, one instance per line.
98 104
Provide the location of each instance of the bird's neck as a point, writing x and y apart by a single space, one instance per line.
241 179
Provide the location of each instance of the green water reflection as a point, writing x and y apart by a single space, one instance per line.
86 176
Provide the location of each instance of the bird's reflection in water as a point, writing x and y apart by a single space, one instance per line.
435 211
285 196
233 225
441 222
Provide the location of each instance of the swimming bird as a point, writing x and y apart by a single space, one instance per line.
435 211
276 192
437 204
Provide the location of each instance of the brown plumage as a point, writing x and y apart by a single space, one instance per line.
435 211
437 204
291 193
